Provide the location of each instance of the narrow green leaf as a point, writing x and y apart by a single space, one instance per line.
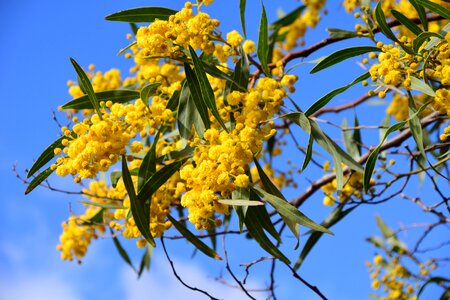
116 96
37 180
148 91
134 28
123 253
289 18
242 4
434 41
263 42
157 180
196 93
327 98
385 229
349 143
86 84
404 20
357 134
415 126
436 8
336 33
126 48
382 24
185 153
139 209
193 239
376 241
148 165
172 104
341 55
419 85
323 140
241 211
421 12
256 231
96 219
308 154
333 218
188 116
45 156
287 210
241 73
141 14
262 214
146 260
205 87
423 37
270 187
240 202
102 205
115 177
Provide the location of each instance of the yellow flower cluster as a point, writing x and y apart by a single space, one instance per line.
392 277
167 194
395 66
164 38
442 70
398 108
297 29
352 188
110 80
77 235
220 163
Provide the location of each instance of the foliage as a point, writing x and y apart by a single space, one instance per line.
200 126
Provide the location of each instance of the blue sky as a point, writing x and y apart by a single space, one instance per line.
37 39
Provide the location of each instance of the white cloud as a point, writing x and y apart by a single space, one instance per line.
37 288
160 283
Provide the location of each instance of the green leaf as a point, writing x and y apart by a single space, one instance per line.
255 229
185 153
289 18
327 98
323 140
357 134
436 8
240 202
172 104
139 209
157 180
349 143
263 42
415 126
102 205
446 294
419 85
37 180
376 241
242 4
96 219
241 193
123 253
404 20
115 177
241 73
127 47
341 55
188 116
193 239
288 211
86 84
146 260
308 154
141 14
116 96
148 165
333 218
434 41
423 37
382 24
45 156
194 88
148 91
385 229
270 187
205 87
372 159
421 12
336 33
